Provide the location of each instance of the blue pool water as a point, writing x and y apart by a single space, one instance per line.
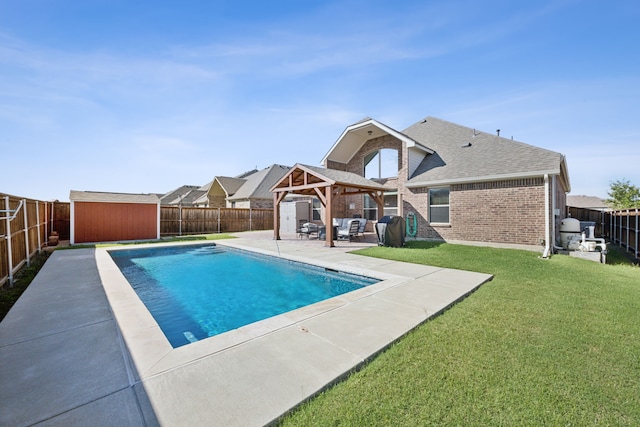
195 292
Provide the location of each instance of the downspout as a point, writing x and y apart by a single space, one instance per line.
554 191
72 217
547 227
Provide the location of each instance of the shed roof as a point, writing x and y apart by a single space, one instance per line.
98 196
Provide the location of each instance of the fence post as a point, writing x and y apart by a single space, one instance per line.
250 219
53 206
636 230
628 216
9 251
611 236
218 220
38 222
26 231
620 229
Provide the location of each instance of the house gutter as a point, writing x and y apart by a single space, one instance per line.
547 223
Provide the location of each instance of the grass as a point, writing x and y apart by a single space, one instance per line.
546 342
22 279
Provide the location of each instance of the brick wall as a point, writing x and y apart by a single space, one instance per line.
217 201
498 212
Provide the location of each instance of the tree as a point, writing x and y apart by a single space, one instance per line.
623 195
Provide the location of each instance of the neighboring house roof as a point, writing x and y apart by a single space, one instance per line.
246 174
258 185
98 196
587 202
230 185
206 187
175 196
462 154
191 197
203 196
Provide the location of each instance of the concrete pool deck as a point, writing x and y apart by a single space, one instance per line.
79 349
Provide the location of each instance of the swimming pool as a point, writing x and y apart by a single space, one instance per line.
194 292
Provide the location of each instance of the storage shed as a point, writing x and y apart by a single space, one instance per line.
110 217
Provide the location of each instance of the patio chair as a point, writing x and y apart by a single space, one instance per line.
308 229
350 232
301 223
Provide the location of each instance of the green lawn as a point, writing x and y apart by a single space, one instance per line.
547 342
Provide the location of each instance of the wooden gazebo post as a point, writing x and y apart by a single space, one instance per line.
328 216
277 198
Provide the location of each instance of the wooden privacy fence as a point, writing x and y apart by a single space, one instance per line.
623 229
177 221
23 232
618 227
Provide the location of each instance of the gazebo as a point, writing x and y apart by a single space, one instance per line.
325 184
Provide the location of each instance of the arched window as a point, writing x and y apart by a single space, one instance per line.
382 163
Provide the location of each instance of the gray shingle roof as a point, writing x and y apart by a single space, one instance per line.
345 177
257 185
487 156
587 202
229 184
174 196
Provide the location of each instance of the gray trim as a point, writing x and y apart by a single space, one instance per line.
505 177
105 197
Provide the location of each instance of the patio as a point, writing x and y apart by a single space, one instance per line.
78 349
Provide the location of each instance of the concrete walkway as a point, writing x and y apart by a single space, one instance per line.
79 349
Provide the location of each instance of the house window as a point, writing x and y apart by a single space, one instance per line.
439 205
391 204
370 208
381 164
316 206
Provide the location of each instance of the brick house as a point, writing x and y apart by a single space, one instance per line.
458 183
248 190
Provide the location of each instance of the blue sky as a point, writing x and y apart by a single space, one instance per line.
145 96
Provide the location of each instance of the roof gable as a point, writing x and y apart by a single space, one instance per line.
356 135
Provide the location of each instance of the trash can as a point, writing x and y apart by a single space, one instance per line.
390 231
